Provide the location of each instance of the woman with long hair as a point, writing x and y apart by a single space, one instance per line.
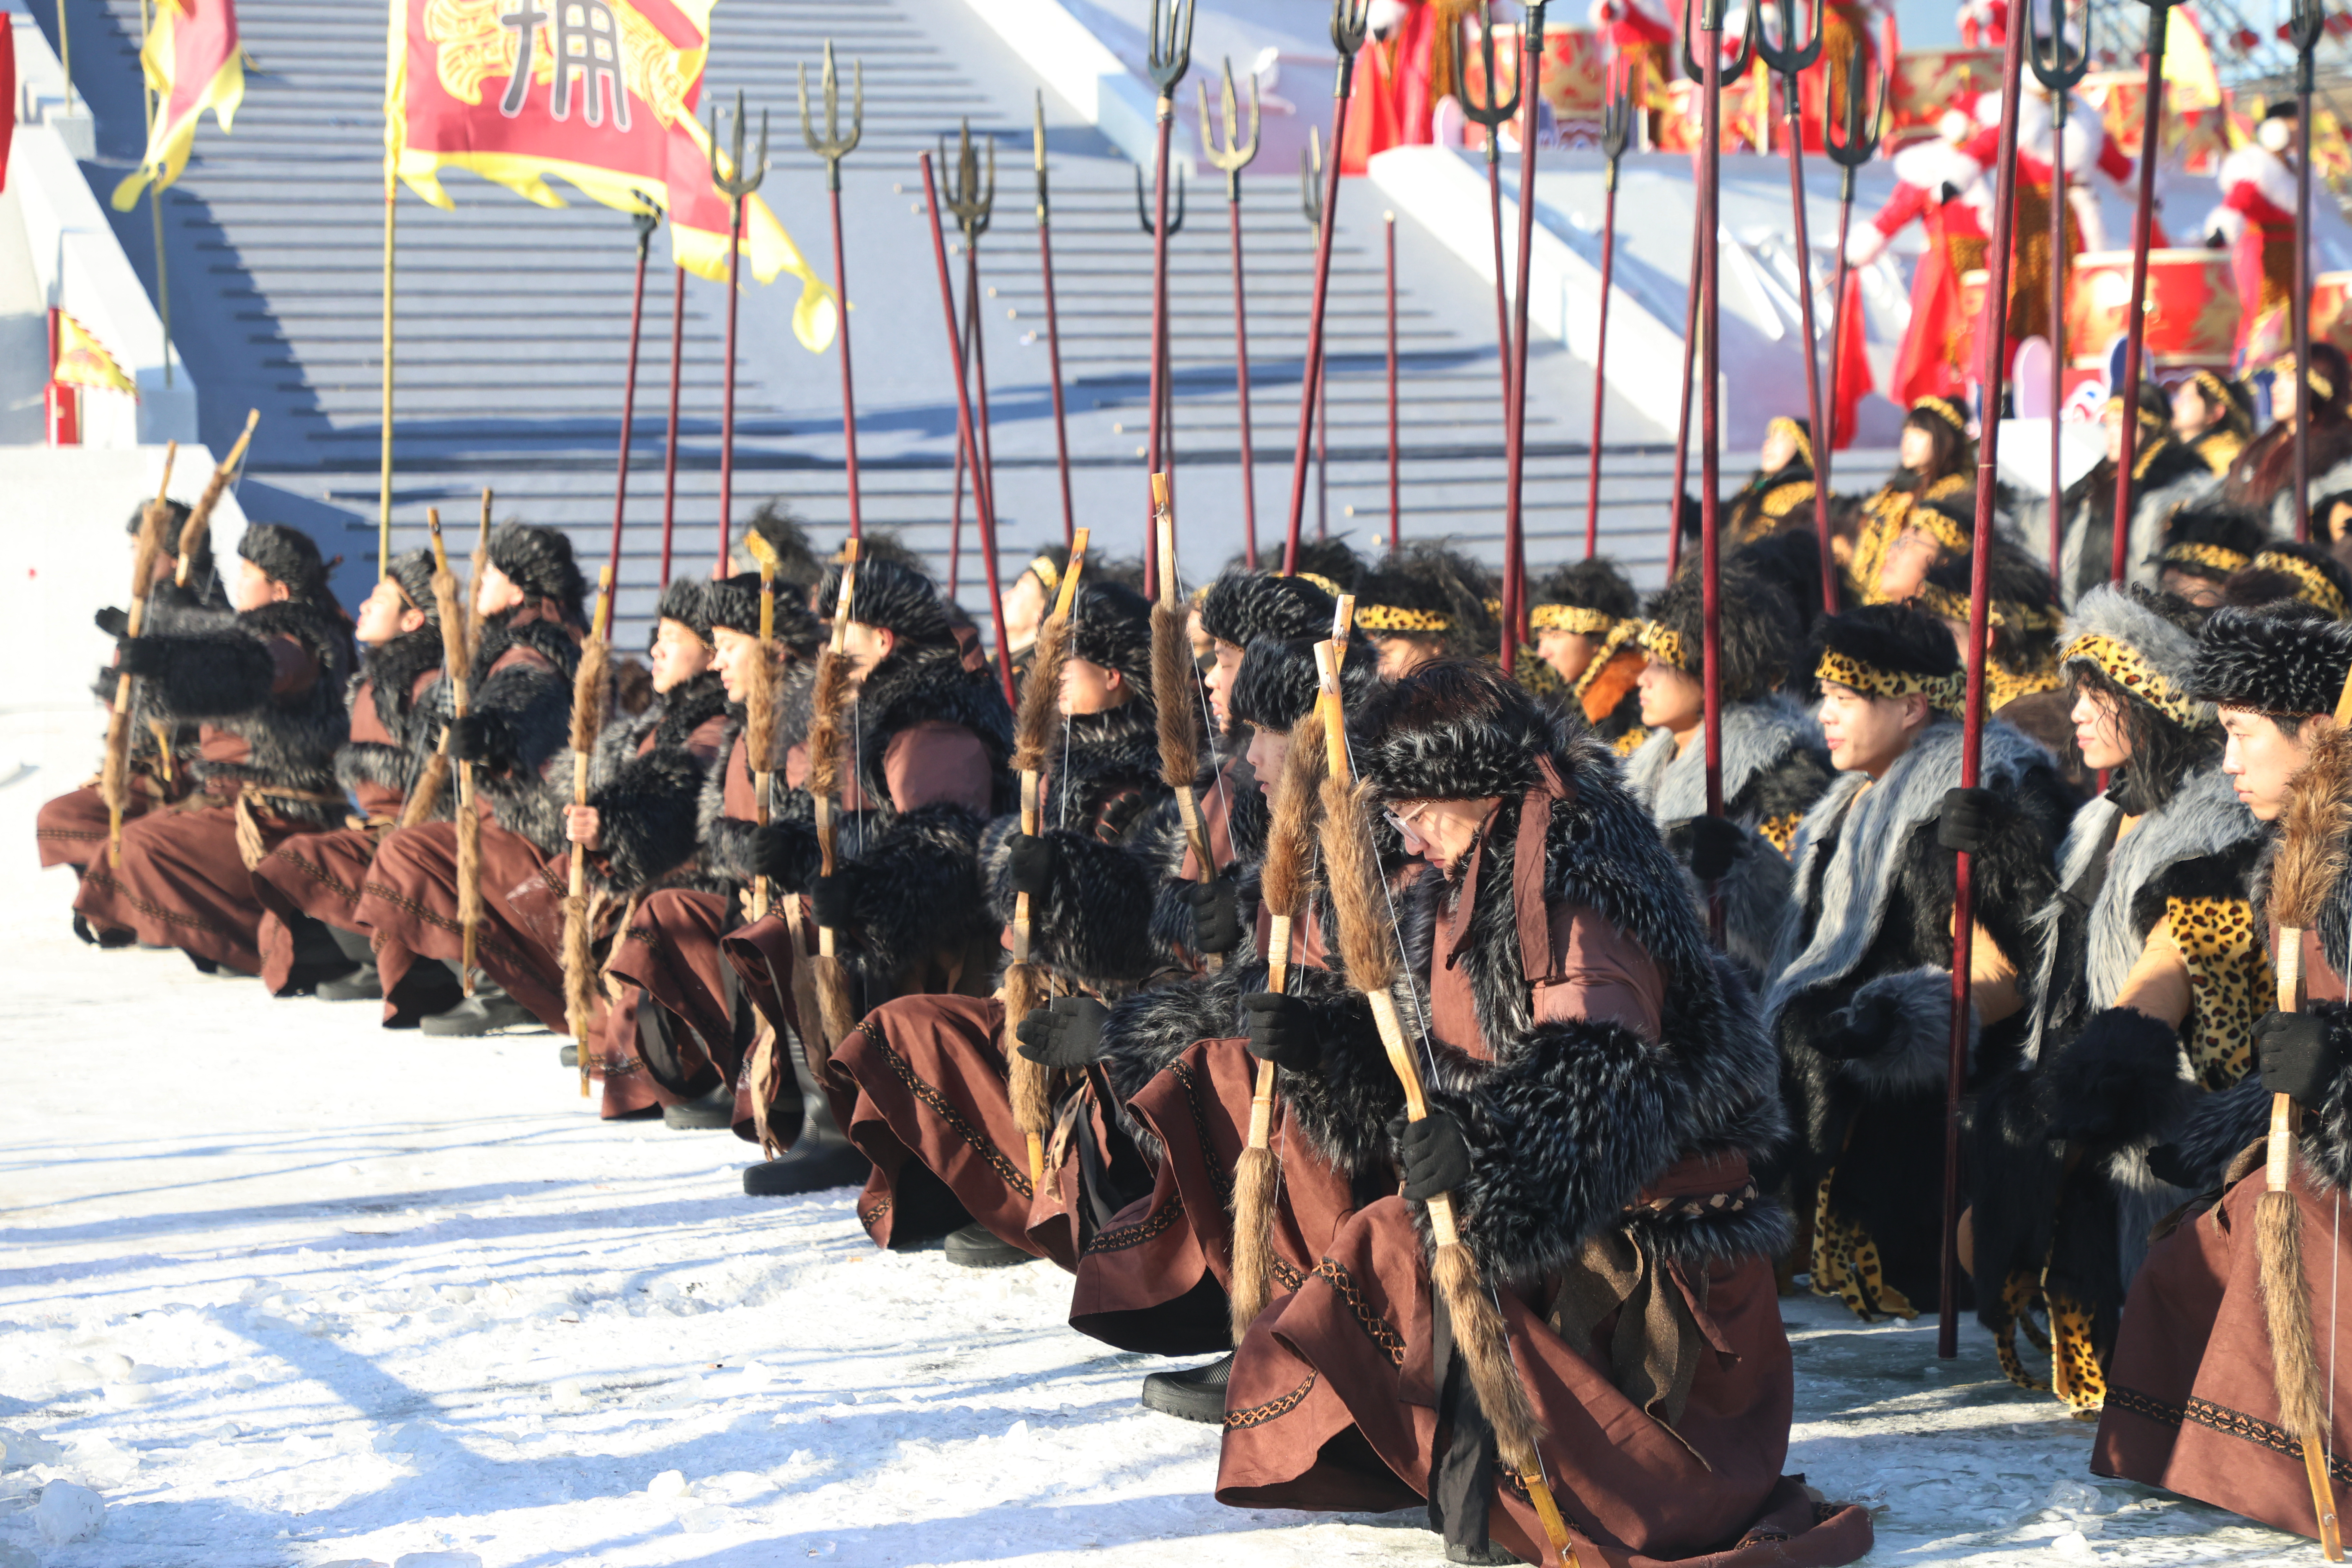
1923 514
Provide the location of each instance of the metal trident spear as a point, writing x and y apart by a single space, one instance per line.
1351 20
1616 129
2060 77
1054 328
2159 12
1859 146
1172 56
1791 62
1163 403
735 187
1493 115
646 222
972 202
833 149
2305 25
1233 157
1515 433
1310 206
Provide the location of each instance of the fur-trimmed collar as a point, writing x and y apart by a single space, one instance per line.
1756 737
1101 753
550 638
391 672
687 708
1866 827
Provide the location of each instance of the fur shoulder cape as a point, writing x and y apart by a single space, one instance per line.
1758 738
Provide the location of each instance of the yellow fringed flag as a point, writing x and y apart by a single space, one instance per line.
82 360
192 62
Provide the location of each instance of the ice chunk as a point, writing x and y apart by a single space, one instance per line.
437 1559
19 1449
18 1557
669 1483
703 1521
112 1366
66 1512
2073 1544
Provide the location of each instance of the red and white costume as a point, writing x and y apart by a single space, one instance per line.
2257 217
1939 184
1984 23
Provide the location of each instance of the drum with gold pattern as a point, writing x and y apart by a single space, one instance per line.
2191 308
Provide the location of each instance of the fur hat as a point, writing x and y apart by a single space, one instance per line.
1430 590
1790 558
1329 563
288 556
734 603
1759 631
1455 729
1584 596
175 517
2282 569
2023 600
884 545
690 601
1242 607
891 596
1111 624
1277 681
411 572
538 560
2285 658
2210 540
1890 650
2121 634
796 560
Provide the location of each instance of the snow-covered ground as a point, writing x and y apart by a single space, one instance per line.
282 1289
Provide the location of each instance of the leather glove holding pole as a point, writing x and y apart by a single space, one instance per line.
2318 820
1027 983
587 721
1176 690
1352 872
760 704
114 772
1282 885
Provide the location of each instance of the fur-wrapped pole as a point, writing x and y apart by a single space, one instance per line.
2159 12
1235 155
1054 330
828 703
1996 357
1257 1174
1352 873
200 520
114 772
1175 692
2306 27
1349 23
587 723
760 708
2318 819
1026 983
1515 438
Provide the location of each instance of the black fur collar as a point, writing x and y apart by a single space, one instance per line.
391 671
685 709
551 639
1107 753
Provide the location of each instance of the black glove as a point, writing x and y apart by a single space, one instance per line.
832 897
1065 1033
778 852
480 738
1119 813
1859 1031
1713 845
2301 1055
140 656
1282 1030
2113 1083
113 622
1966 822
1216 914
1032 859
2165 1162
1435 1155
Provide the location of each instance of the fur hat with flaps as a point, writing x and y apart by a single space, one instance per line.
2285 658
1111 624
1890 650
2285 570
1760 630
1278 680
891 596
2119 635
2210 540
1242 607
288 556
1588 597
538 560
1429 591
412 574
1455 729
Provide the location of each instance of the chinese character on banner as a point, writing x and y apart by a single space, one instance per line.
192 62
602 94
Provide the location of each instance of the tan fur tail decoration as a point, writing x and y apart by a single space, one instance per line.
1032 1083
1249 1283
1041 696
835 1015
1174 688
588 695
1290 840
1485 1349
825 705
2313 832
760 715
1353 879
579 972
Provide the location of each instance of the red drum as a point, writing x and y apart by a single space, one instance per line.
2191 309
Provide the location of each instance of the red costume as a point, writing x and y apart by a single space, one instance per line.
2257 217
1940 185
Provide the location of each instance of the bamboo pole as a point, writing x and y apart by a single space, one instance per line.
114 773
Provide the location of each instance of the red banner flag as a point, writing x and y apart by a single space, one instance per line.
602 94
192 60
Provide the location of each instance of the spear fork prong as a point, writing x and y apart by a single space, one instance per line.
833 148
1492 115
1233 157
971 199
1170 38
1858 146
1616 134
736 187
2060 70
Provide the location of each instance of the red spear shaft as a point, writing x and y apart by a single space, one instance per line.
727 402
1515 442
1700 220
669 447
2143 218
1347 27
1710 178
1396 507
1053 334
646 222
1996 347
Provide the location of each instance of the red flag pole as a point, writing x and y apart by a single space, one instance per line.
2143 220
1996 347
1349 19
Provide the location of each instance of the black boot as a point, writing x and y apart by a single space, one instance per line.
319 957
1196 1393
489 1010
977 1247
716 1108
820 1157
111 938
364 982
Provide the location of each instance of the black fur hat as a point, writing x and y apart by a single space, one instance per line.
1455 729
1599 585
175 517
412 571
884 545
690 600
1111 627
1277 680
2282 569
290 556
1430 590
1242 607
1888 651
796 559
1760 632
2285 658
1792 558
891 596
2210 540
734 603
538 560
1331 561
